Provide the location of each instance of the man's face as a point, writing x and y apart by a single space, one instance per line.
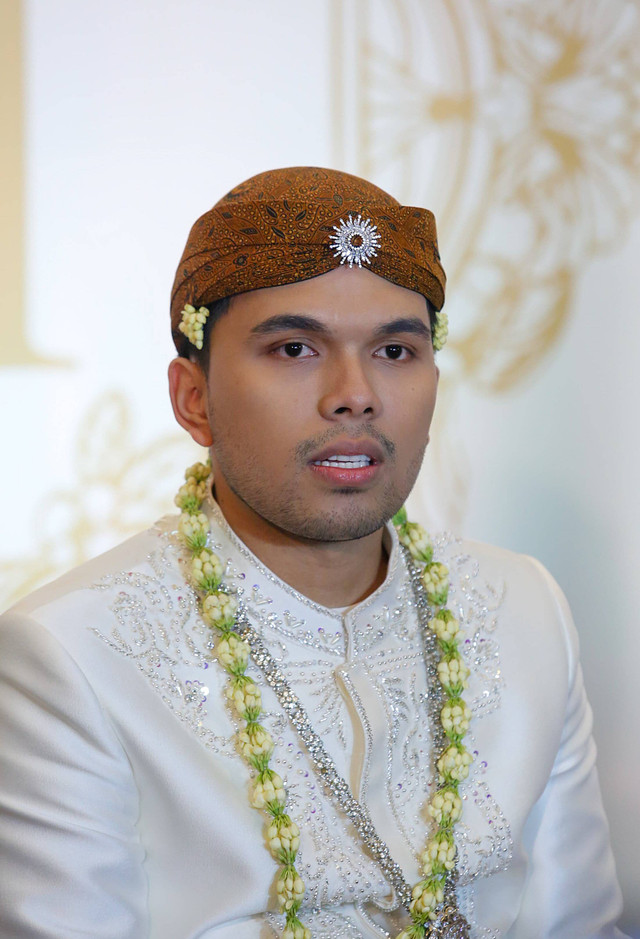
320 398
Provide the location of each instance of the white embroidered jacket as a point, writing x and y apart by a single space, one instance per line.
124 808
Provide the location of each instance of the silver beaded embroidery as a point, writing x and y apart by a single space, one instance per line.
321 760
159 629
476 604
449 924
177 635
324 924
333 847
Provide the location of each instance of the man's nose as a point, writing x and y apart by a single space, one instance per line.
349 390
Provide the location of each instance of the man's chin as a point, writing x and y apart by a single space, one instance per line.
331 527
349 515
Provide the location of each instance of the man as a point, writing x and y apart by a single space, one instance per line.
250 722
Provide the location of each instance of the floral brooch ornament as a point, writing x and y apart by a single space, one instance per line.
355 241
193 323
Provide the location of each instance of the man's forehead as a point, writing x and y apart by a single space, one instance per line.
341 297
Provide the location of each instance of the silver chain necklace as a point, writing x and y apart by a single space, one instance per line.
449 923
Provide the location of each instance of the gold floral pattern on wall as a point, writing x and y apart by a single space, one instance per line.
518 122
121 486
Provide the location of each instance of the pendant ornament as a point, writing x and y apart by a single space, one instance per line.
355 241
431 902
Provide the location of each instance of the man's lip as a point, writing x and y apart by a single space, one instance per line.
369 448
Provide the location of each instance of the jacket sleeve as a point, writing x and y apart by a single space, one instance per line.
571 891
70 856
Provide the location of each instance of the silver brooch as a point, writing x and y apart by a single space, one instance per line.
355 241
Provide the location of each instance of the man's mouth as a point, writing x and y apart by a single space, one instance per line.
349 463
344 461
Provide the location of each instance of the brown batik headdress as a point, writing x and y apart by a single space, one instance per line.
292 224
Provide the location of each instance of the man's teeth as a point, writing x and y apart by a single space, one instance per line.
356 461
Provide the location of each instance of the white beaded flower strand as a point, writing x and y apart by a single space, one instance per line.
441 330
219 610
192 324
445 806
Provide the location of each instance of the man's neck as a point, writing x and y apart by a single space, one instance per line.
333 574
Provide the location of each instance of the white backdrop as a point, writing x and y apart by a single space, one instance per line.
138 115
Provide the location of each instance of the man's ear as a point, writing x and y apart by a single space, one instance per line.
188 391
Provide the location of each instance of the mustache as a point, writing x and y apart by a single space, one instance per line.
307 447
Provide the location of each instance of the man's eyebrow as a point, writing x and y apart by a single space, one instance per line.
295 321
299 321
404 324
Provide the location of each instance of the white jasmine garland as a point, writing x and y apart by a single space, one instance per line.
445 626
417 541
245 697
255 742
233 653
441 331
219 610
445 806
453 674
192 489
192 324
440 853
206 570
435 578
198 471
269 792
426 896
296 932
455 717
194 529
283 836
454 763
290 888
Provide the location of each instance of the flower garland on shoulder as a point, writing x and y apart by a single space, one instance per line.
219 611
445 806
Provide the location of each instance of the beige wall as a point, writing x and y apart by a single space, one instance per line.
517 122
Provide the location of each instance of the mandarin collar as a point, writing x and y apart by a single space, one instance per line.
246 561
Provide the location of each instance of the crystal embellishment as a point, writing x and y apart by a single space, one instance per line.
449 923
355 240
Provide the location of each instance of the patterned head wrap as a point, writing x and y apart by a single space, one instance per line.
288 225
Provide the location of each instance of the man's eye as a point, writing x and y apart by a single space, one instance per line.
394 350
294 350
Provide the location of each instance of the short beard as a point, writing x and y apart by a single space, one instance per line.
347 524
287 512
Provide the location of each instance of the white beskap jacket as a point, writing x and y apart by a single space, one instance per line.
124 804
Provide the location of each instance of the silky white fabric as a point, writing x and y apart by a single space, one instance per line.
124 808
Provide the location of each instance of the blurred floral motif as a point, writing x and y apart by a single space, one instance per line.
518 123
121 488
